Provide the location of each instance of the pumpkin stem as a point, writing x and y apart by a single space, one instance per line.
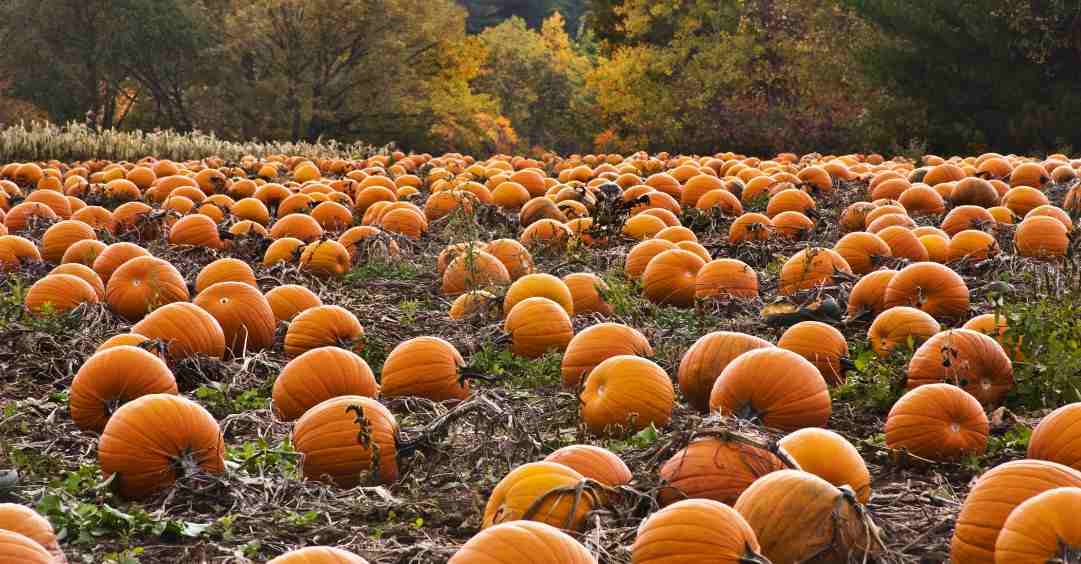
748 412
1066 554
185 464
586 487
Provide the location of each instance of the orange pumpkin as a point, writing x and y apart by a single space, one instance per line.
21 520
110 259
225 270
15 547
318 375
539 285
639 257
938 422
322 326
1041 529
774 386
597 343
522 542
862 251
196 230
348 440
869 293
587 292
965 358
703 363
513 256
58 293
670 277
931 287
749 227
326 257
594 463
143 284
543 492
696 529
626 393
84 252
824 346
288 300
1055 436
60 236
474 270
1041 237
715 468
426 367
811 267
830 457
901 325
186 330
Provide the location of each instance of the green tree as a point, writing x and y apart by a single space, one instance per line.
990 74
489 13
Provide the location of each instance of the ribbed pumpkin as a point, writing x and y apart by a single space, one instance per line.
965 358
966 217
288 300
994 496
110 259
587 293
703 363
811 267
15 518
196 230
972 245
996 326
297 226
546 492
142 285
112 377
57 293
325 257
773 386
830 457
854 217
903 243
792 225
538 325
921 200
224 270
1041 237
318 375
322 326
897 326
597 343
749 227
726 277
426 367
472 304
938 422
799 517
62 235
149 442
1023 199
1042 529
84 273
670 277
545 234
20 549
715 468
595 463
83 252
696 530
522 542
643 226
931 287
318 555
539 285
821 344
1055 438
862 251
286 249
513 255
625 394
474 270
186 329
641 254
346 440
869 293
244 315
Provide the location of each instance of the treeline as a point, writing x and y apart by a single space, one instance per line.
756 76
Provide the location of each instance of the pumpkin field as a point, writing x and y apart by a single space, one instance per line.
389 357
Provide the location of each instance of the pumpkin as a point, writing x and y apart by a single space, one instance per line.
60 236
285 249
789 200
318 555
699 530
587 293
966 217
903 243
326 257
113 256
471 304
297 226
244 315
773 386
900 325
830 457
938 248
726 277
522 542
15 518
539 285
799 517
996 326
186 330
862 251
196 230
594 463
931 287
938 422
972 245
83 272
21 217
643 226
973 191
144 284
112 377
994 496
1055 212
1055 437
426 367
749 227
513 256
821 344
597 343
670 277
965 358
288 300
704 361
1041 237
715 468
1023 199
811 267
626 393
891 220
474 270
149 443
321 326
639 257
1041 529
921 200
130 339
869 293
537 209
332 216
318 375
546 492
58 293
18 548
346 439
792 225
537 325
225 270
84 252
854 217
